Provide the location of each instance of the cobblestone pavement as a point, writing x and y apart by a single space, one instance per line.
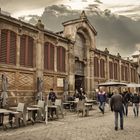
95 127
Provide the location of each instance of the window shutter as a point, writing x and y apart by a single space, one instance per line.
51 57
26 51
30 52
3 49
12 56
22 50
110 70
46 55
63 59
102 68
58 58
115 71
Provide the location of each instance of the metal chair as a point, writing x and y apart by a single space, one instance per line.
19 115
41 111
58 103
81 108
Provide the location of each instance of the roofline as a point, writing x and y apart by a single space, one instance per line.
116 57
80 20
32 27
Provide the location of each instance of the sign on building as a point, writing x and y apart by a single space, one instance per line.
59 82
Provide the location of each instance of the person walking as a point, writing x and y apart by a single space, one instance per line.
126 99
116 104
135 102
101 96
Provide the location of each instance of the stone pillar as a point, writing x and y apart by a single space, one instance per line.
92 83
71 69
87 70
18 51
40 50
40 55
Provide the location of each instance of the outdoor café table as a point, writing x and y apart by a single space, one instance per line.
3 112
31 113
72 103
90 101
88 107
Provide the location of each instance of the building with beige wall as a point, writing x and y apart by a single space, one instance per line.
63 61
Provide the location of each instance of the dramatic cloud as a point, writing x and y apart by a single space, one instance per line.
117 33
19 7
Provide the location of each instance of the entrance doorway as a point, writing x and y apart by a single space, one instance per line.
79 82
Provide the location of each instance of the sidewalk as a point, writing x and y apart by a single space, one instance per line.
95 127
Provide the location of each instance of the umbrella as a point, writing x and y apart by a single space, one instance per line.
133 85
4 94
112 83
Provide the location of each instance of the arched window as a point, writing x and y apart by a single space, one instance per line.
110 70
8 47
126 73
133 75
26 51
115 71
49 56
61 56
102 68
96 67
122 72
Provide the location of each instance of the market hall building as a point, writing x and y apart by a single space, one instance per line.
64 61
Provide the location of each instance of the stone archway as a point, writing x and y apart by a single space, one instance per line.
81 52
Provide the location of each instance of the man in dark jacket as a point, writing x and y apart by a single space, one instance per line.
52 97
136 101
116 104
126 99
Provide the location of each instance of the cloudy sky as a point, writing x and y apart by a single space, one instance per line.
116 21
130 8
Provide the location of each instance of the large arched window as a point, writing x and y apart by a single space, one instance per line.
49 56
8 47
96 67
79 47
102 68
26 51
61 56
115 71
110 70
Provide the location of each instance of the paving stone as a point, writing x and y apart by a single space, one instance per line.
95 127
